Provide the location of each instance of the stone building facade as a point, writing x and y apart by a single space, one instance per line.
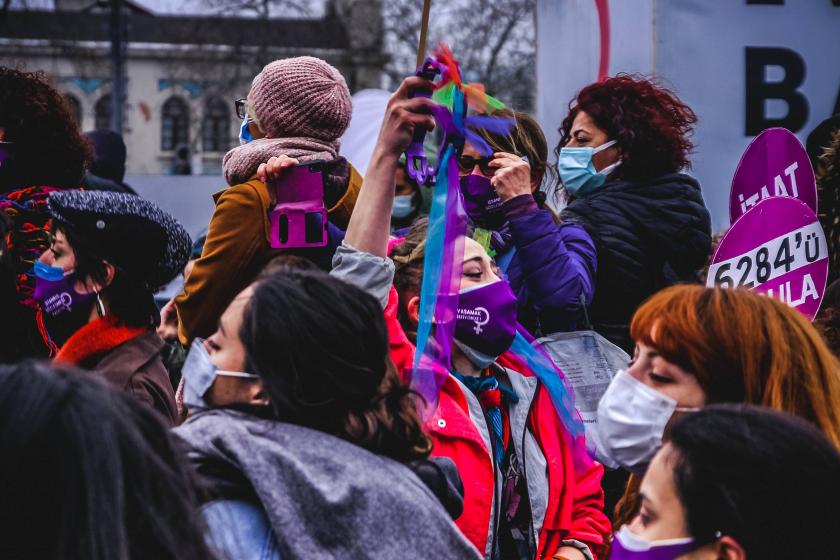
183 73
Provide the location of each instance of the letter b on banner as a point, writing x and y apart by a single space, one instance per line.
758 90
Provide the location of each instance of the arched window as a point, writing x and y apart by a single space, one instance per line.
215 127
102 113
75 108
174 124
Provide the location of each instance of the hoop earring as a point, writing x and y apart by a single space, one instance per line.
100 307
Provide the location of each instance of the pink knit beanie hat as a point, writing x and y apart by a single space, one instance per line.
301 96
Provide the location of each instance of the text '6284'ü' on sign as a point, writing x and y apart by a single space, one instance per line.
778 247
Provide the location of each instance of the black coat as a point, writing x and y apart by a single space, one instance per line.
648 235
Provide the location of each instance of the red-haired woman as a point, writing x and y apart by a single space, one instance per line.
621 152
698 346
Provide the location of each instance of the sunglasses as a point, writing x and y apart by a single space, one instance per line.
240 108
467 163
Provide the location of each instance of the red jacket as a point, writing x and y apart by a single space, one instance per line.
575 500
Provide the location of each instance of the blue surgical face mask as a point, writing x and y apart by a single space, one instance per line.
245 132
199 373
577 172
403 206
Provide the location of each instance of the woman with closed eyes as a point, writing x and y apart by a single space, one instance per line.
698 346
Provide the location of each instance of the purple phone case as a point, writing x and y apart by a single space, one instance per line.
299 192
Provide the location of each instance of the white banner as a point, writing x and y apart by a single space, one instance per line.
742 65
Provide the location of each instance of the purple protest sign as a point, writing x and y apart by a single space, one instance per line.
774 164
777 248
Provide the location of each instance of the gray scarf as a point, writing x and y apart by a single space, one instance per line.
325 497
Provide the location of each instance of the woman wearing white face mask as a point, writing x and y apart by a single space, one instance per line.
622 151
213 375
303 436
698 346
736 483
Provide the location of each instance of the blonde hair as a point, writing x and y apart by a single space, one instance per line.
249 112
525 139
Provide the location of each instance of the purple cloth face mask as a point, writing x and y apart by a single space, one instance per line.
487 318
628 546
481 203
56 291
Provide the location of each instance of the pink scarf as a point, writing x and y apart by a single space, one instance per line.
241 163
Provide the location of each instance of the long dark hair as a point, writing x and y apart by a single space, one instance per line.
321 348
130 301
88 473
758 476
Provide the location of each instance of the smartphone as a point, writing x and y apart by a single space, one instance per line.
299 219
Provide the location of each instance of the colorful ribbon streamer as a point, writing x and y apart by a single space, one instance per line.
444 253
441 270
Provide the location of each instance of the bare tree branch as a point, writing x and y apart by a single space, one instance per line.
494 41
501 41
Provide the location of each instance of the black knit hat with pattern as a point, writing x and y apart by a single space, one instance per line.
128 231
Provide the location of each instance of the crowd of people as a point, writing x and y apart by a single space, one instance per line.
267 411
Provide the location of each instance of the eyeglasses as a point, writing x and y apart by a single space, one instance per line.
467 163
240 108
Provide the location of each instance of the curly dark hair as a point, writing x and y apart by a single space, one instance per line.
650 125
48 148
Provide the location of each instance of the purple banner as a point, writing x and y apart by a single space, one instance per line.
774 164
778 247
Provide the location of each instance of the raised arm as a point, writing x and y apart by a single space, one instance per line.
370 224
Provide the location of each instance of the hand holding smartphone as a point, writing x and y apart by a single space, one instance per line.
299 219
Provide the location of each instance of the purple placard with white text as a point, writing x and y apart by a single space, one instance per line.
778 248
774 164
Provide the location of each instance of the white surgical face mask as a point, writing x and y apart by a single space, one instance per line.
631 422
200 372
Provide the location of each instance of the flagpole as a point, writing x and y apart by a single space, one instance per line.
424 28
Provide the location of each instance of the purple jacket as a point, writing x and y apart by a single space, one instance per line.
550 269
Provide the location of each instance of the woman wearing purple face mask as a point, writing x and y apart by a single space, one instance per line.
703 499
95 285
550 266
523 498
